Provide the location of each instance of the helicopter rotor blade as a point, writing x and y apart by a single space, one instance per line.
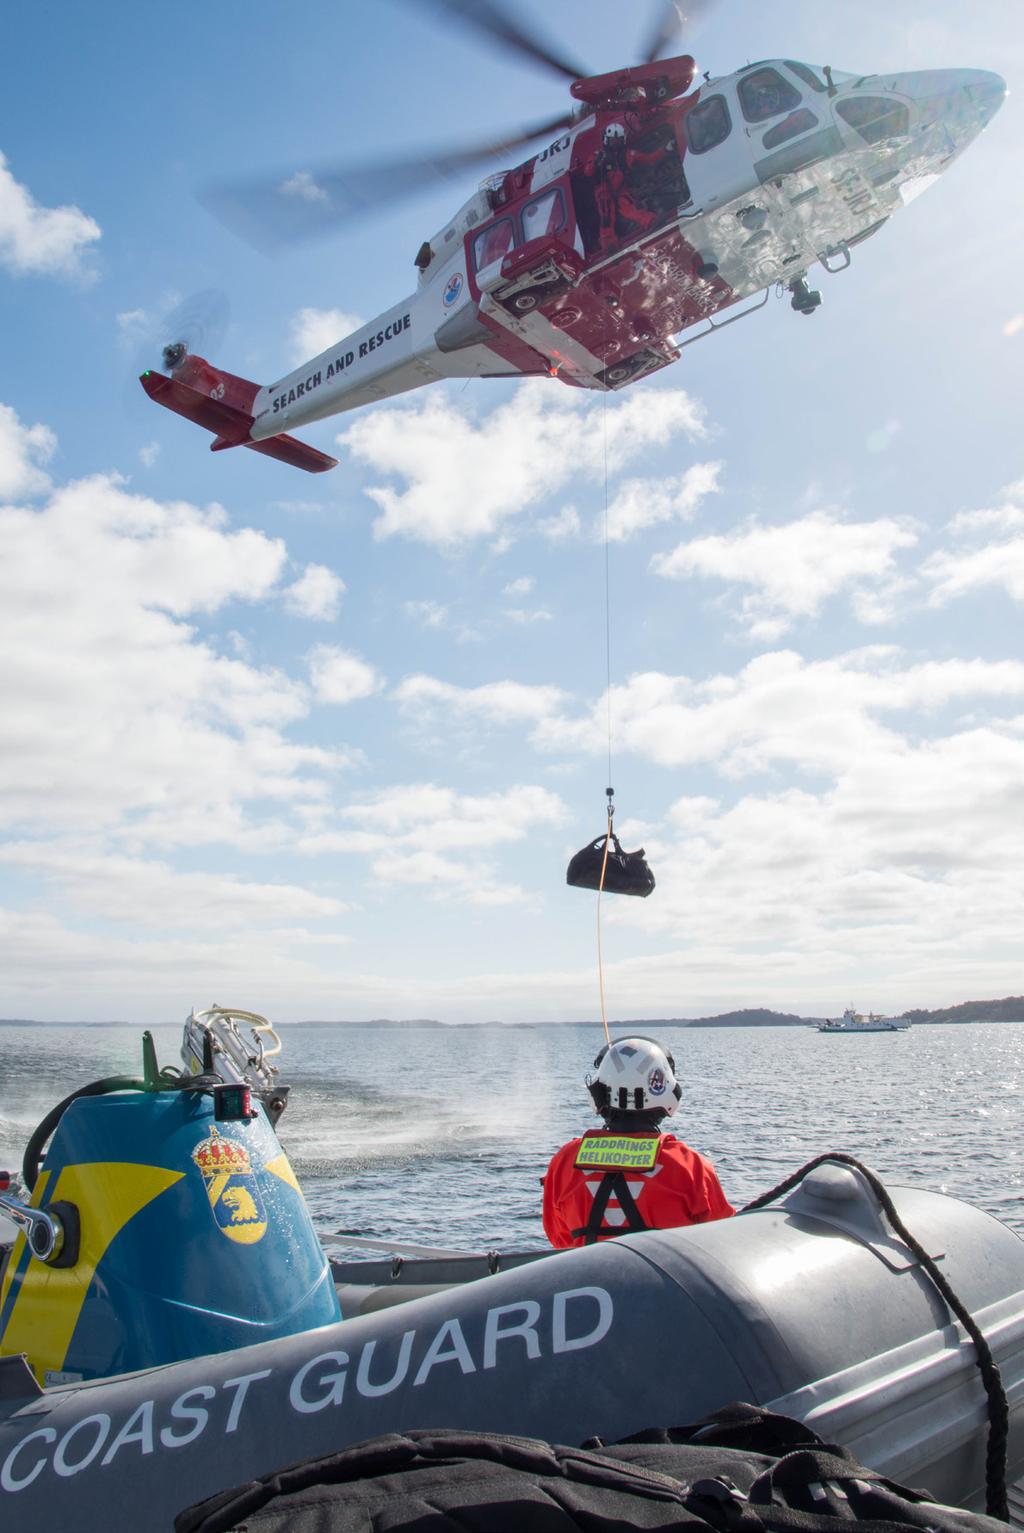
667 23
492 19
671 17
273 211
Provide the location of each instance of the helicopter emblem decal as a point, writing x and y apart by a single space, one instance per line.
453 291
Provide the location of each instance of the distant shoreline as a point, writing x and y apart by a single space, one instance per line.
1010 1009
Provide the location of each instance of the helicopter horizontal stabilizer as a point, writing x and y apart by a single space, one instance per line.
288 449
230 425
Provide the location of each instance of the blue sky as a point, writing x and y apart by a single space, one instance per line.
322 747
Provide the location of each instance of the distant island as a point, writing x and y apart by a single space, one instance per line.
751 1016
1009 1009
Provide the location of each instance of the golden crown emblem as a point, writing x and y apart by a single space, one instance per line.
216 1156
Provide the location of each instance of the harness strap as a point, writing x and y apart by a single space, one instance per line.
613 1184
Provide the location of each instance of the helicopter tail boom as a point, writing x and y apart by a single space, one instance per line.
211 406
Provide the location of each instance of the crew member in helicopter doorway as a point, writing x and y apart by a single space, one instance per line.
629 1176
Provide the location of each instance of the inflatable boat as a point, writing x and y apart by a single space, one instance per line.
170 1324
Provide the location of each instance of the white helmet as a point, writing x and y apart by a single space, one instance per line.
615 133
635 1075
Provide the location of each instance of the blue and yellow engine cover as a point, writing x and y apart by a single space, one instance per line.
195 1238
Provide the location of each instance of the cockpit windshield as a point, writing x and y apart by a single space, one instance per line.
765 93
808 75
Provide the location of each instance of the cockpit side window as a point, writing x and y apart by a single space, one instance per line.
796 123
544 215
708 124
765 93
805 73
874 117
493 243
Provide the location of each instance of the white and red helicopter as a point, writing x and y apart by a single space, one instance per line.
656 207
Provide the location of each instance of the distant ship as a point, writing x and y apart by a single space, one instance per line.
854 1022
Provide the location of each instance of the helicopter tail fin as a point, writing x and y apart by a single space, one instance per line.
222 404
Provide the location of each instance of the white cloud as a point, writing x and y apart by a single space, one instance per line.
794 567
467 480
429 614
440 616
59 971
499 702
959 573
303 186
524 616
133 325
1005 517
521 587
421 834
22 450
338 676
149 454
998 519
123 717
143 893
906 862
41 241
315 330
316 594
780 711
565 524
962 571
898 853
1014 326
642 503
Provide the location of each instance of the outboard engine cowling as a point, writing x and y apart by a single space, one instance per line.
191 1236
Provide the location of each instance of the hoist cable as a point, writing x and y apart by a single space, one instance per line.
600 960
607 592
608 702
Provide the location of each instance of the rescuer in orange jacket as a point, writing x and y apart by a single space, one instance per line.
629 1176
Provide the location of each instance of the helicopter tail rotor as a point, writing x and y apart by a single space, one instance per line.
160 338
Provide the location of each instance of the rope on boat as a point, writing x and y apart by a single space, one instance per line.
996 1504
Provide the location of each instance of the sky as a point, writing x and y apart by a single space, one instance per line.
322 747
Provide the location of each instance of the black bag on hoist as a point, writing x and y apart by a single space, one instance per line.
743 1471
625 873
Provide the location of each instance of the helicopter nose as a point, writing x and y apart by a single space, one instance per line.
964 100
987 91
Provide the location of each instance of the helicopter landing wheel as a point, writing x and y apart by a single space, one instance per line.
524 302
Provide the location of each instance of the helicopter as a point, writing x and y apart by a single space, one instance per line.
662 201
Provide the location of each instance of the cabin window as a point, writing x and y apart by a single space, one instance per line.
493 243
874 117
708 124
789 127
805 73
544 215
764 93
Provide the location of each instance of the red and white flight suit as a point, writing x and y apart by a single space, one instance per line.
607 1183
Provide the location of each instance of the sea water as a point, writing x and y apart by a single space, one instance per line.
440 1135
